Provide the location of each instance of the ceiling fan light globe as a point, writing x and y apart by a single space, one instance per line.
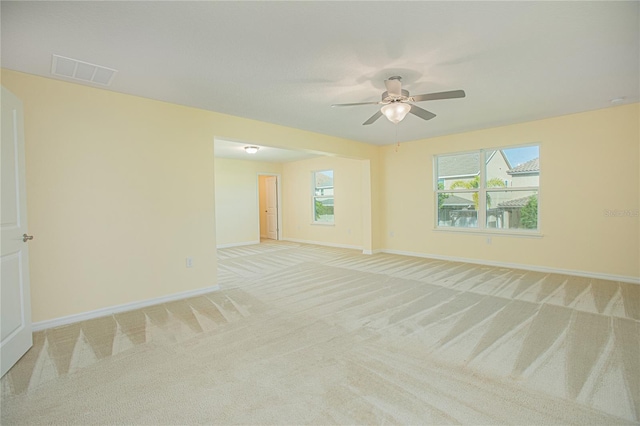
396 111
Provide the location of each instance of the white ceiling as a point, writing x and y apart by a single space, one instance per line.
235 150
287 62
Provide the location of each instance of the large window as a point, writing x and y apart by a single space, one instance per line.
493 189
323 196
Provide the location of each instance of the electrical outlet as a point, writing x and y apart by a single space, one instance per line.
489 240
189 262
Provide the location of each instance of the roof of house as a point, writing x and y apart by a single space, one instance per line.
323 180
454 200
531 166
463 164
515 203
459 165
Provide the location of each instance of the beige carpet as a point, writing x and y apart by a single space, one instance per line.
303 334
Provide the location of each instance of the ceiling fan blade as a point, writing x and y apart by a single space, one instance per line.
394 87
354 104
439 95
373 118
422 113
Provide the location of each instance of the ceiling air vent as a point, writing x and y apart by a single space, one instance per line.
83 71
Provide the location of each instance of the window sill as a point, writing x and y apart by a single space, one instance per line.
490 232
323 223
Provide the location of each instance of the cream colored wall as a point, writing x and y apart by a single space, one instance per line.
250 131
237 202
119 193
349 201
589 164
120 189
524 180
497 168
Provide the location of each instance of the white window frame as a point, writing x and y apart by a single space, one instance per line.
314 196
482 195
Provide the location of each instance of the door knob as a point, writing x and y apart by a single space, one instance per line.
26 237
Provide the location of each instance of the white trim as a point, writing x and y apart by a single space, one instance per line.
376 251
320 243
243 243
610 277
491 232
57 322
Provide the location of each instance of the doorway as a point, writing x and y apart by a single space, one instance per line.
269 211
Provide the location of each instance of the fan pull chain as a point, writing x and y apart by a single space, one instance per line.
397 141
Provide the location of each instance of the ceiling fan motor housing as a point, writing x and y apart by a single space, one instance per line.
386 98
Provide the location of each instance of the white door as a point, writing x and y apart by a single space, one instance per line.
271 184
15 303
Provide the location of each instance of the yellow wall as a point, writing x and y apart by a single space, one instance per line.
348 195
238 212
119 193
120 190
237 207
589 164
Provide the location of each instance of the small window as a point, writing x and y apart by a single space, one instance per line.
323 196
500 194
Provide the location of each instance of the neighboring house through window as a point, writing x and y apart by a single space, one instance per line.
323 196
498 195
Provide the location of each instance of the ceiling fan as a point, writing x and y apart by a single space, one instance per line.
396 102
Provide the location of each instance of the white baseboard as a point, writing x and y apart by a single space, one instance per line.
372 251
320 243
70 319
244 243
596 275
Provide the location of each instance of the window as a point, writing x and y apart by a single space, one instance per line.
495 189
323 196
